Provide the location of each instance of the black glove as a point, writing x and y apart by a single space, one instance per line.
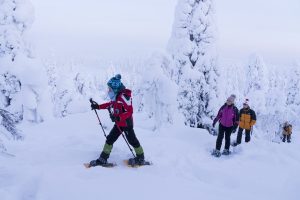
94 106
114 118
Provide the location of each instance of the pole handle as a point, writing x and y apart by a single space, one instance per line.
92 101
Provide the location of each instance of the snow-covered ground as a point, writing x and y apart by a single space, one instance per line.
48 165
82 45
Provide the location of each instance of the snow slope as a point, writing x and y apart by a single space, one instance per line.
48 165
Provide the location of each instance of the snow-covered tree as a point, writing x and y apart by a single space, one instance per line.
232 81
15 18
256 83
8 123
276 109
10 113
293 88
70 88
23 88
10 87
155 94
276 98
193 52
293 91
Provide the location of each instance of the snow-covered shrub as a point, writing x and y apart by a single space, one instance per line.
155 93
8 123
193 53
70 88
10 87
8 128
62 92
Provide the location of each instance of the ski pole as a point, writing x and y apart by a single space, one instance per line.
93 102
121 132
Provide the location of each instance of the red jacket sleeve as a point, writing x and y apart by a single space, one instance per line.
127 104
105 105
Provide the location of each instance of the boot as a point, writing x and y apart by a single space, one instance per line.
216 153
226 152
138 160
99 161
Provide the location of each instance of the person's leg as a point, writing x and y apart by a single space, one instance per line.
283 138
133 141
220 137
288 138
228 132
110 140
248 136
239 136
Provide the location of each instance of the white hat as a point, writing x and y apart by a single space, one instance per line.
246 102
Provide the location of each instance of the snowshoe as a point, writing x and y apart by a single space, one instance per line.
136 162
216 153
99 162
226 152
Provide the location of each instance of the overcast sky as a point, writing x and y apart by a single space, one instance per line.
269 27
131 27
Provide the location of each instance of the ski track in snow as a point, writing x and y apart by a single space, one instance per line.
49 165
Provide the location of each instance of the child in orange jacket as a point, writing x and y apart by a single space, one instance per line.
287 132
247 119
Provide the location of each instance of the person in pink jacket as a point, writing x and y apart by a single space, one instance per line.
228 118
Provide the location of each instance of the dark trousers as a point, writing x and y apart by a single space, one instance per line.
129 133
223 131
114 135
288 137
240 134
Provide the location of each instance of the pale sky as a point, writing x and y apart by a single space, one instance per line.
268 27
123 28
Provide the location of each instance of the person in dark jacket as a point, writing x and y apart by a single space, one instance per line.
121 114
228 123
247 119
